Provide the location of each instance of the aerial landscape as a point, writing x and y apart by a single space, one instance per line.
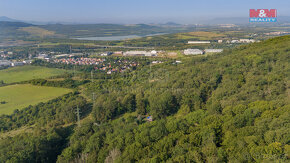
144 81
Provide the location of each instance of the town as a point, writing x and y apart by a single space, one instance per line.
54 57
101 64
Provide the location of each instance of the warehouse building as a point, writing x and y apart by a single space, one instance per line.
213 50
192 52
198 42
140 53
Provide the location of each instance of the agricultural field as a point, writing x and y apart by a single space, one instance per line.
20 96
24 73
200 35
36 31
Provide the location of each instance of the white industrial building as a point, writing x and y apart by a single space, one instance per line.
235 41
154 52
247 40
198 42
192 52
213 50
140 53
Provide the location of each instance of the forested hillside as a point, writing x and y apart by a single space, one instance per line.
229 107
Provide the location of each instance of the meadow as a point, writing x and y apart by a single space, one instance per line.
24 73
20 96
36 31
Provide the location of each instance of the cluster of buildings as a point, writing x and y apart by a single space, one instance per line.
241 41
100 63
43 56
119 53
279 33
47 57
117 66
5 54
130 53
7 63
221 41
199 52
80 61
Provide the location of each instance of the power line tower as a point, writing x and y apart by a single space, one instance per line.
78 116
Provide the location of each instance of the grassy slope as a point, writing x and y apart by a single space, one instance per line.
36 31
23 73
20 96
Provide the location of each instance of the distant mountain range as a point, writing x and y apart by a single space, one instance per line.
229 20
6 19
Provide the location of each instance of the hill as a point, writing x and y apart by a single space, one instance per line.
230 107
10 30
15 29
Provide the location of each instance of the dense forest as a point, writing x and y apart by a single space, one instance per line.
229 107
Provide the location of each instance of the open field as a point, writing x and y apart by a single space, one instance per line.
201 35
24 73
36 31
22 95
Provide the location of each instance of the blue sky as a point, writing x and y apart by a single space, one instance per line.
134 11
